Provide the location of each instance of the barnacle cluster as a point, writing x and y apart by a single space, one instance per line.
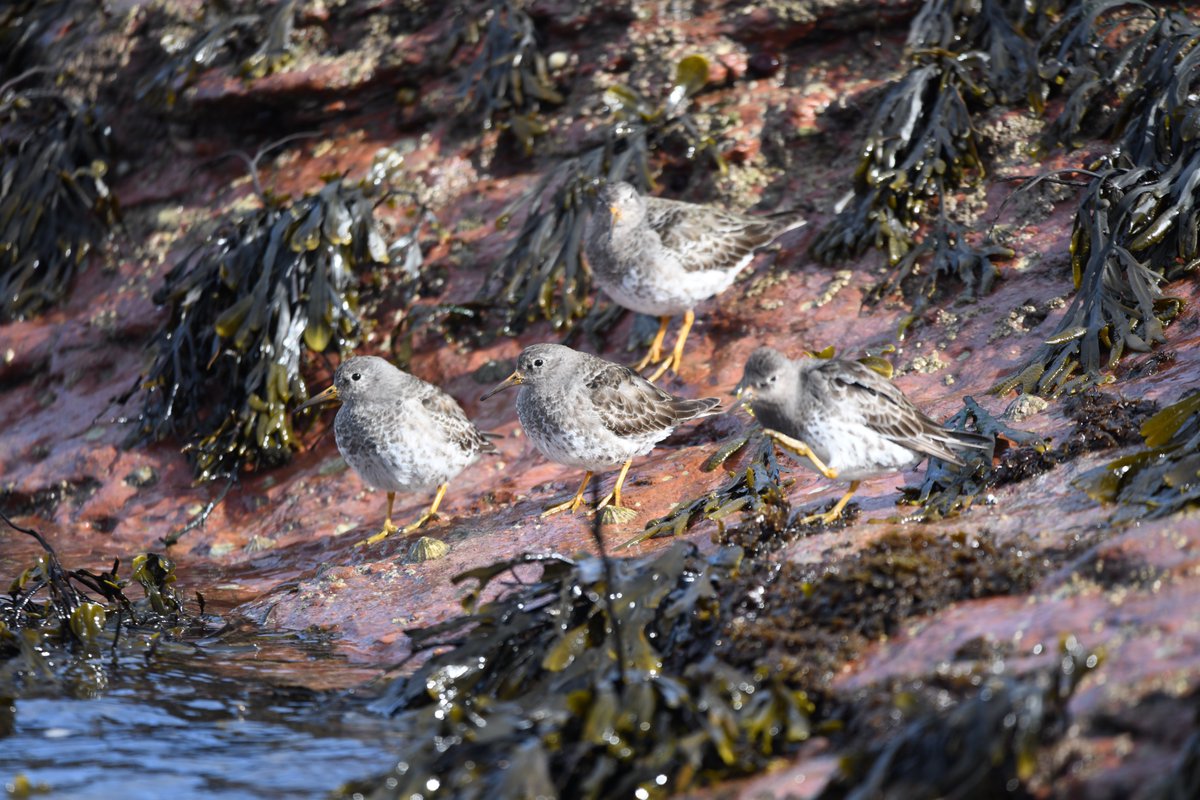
244 304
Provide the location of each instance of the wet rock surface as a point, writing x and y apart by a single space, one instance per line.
995 588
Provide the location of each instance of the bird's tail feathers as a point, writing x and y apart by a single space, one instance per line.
786 221
970 440
693 409
485 441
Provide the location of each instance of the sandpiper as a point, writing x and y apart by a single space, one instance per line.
399 433
583 411
847 420
662 257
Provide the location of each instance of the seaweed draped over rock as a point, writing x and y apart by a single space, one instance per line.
649 676
223 35
588 680
243 306
509 79
55 204
967 55
1163 478
1127 70
985 746
1138 220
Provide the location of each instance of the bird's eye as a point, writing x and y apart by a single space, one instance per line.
772 379
537 362
356 376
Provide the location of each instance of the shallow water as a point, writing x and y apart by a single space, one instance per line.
190 724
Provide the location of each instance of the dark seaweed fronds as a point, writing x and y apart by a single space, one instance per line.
1163 478
1101 421
1183 779
947 250
55 205
509 77
275 53
75 606
921 144
542 275
1136 227
985 746
1138 219
243 305
223 37
754 491
538 697
1077 57
949 489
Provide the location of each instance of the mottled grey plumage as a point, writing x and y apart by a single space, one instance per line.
663 257
852 418
583 411
399 433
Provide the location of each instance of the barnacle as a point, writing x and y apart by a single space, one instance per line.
55 204
541 274
243 306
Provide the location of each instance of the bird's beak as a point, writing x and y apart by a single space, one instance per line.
615 211
512 380
328 396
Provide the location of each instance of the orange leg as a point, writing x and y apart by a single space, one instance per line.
655 346
614 497
835 512
574 502
675 360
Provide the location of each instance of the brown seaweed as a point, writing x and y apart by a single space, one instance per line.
985 746
244 305
590 678
55 203
1161 479
1138 218
509 80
